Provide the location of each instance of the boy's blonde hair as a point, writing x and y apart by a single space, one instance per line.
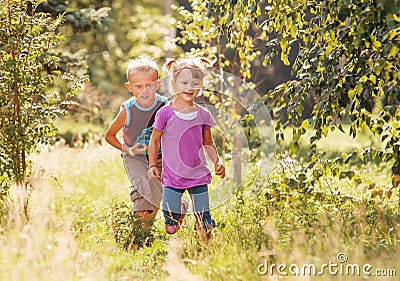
139 65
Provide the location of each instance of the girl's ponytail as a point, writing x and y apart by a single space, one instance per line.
169 64
175 66
206 62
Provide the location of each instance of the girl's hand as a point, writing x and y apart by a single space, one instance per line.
219 169
153 172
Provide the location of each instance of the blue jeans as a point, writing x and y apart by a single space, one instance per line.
171 204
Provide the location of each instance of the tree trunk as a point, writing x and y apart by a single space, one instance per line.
237 159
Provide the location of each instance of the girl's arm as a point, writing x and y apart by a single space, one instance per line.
212 153
154 148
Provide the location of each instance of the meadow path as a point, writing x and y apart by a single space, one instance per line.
174 264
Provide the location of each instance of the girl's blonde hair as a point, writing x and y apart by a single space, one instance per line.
198 65
140 65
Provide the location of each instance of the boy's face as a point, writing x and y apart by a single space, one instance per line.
187 85
143 86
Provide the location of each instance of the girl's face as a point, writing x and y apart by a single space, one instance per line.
187 85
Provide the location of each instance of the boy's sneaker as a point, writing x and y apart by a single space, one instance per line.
171 229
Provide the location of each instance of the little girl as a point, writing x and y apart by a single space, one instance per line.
182 129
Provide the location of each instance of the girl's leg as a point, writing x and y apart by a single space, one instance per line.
201 207
171 205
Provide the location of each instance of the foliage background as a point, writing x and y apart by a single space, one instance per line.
330 78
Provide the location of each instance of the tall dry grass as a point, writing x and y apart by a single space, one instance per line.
68 234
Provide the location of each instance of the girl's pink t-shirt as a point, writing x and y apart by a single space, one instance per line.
183 161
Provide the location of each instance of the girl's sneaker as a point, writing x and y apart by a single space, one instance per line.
171 229
204 229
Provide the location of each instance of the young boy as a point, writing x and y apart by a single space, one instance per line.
135 118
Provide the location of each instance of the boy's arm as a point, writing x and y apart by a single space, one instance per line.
115 127
154 148
212 152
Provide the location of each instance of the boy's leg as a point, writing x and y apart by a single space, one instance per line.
145 195
146 214
201 206
142 208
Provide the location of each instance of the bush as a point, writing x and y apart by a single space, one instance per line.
129 230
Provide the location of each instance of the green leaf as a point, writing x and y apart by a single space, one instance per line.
372 78
351 94
364 79
375 42
359 88
393 51
325 131
393 34
305 124
320 69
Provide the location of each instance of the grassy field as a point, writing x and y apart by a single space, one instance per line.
79 216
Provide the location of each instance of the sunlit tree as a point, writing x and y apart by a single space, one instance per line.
346 66
28 108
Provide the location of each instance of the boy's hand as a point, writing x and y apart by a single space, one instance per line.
125 148
133 150
153 172
219 169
